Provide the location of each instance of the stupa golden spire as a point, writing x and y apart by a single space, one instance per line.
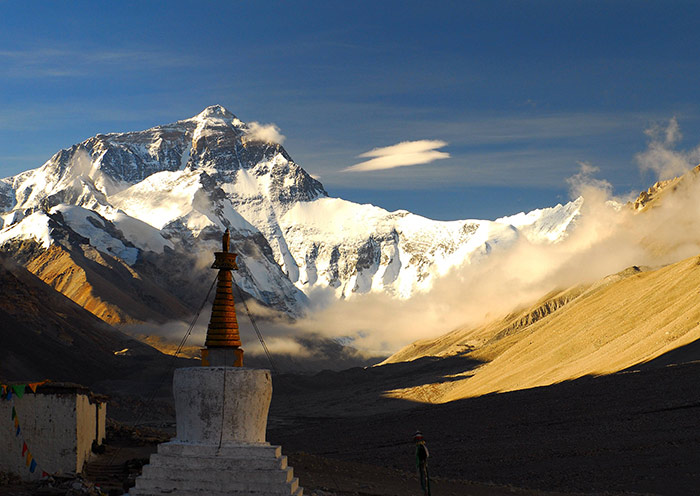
222 346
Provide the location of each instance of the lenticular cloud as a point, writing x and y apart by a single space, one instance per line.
401 155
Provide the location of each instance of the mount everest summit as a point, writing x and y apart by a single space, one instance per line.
125 223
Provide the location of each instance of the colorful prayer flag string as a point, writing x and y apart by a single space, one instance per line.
8 392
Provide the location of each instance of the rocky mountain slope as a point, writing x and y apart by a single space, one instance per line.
634 316
45 335
627 319
151 205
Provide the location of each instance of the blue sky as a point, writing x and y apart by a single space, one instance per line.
520 92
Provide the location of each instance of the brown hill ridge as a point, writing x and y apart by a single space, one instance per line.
625 320
653 196
45 335
103 285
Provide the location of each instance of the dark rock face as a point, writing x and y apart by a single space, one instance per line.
7 198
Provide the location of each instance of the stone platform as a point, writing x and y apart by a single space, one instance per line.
220 446
196 470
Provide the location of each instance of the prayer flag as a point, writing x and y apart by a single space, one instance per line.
14 412
24 448
32 466
19 389
9 393
16 422
44 474
35 385
18 431
29 459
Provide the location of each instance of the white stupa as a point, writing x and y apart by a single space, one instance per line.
221 410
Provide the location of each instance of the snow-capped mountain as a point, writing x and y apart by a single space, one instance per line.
146 198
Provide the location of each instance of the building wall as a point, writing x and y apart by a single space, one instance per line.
101 422
86 415
58 428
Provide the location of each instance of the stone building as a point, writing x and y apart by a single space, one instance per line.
54 427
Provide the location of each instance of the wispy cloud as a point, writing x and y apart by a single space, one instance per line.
268 133
661 155
402 154
69 62
583 181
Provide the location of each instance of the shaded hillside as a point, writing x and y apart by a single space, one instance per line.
102 284
45 335
627 319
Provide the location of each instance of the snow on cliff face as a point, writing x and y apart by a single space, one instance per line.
361 248
178 186
545 224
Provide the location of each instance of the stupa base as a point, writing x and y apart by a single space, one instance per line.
235 469
220 446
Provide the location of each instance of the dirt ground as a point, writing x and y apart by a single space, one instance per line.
326 476
317 475
636 432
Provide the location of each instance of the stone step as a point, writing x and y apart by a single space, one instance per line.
242 451
217 462
235 474
175 487
143 492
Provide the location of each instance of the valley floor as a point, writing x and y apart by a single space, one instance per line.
633 432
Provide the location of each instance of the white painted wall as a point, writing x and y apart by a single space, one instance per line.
86 429
221 405
58 429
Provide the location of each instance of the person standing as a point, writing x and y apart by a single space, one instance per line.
422 455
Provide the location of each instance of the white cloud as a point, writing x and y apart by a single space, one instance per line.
402 154
264 132
607 238
583 181
661 155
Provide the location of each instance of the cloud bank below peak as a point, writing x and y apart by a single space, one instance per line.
402 154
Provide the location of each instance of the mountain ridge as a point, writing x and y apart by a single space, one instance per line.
174 188
618 323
